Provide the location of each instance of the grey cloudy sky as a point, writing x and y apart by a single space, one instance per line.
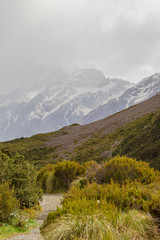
119 37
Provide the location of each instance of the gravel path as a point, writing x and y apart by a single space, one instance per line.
48 204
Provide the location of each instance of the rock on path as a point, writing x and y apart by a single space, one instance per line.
49 203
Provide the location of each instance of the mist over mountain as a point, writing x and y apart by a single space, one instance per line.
51 99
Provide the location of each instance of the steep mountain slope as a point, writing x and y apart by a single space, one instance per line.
51 99
134 132
147 88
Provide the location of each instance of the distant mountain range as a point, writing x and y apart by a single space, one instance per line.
144 90
52 99
134 132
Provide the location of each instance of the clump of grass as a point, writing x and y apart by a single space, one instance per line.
116 226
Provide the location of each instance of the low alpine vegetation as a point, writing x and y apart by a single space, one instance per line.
58 177
120 169
8 201
116 225
21 176
19 192
119 199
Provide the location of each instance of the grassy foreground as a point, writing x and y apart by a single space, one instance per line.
119 200
7 230
116 225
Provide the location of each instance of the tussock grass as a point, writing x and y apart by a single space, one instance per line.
130 195
116 226
118 209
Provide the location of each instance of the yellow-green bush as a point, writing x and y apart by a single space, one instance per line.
66 172
121 169
58 177
8 201
130 195
48 168
44 176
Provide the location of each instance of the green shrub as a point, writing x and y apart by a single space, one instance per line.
58 177
121 169
25 182
8 201
48 168
44 177
130 195
13 219
66 172
22 176
18 219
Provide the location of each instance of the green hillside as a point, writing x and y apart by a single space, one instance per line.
144 142
139 139
131 132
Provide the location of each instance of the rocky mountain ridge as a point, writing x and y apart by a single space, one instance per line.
51 99
144 90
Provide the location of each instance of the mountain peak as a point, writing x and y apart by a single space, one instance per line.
144 90
51 100
89 77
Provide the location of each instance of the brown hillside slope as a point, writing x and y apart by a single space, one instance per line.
86 142
78 134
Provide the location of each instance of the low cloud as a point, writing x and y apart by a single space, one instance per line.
121 38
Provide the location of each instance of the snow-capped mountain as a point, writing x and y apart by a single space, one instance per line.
147 88
34 81
51 99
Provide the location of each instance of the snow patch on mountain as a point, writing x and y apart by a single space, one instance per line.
145 89
51 99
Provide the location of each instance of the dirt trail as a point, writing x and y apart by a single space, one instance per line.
48 204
